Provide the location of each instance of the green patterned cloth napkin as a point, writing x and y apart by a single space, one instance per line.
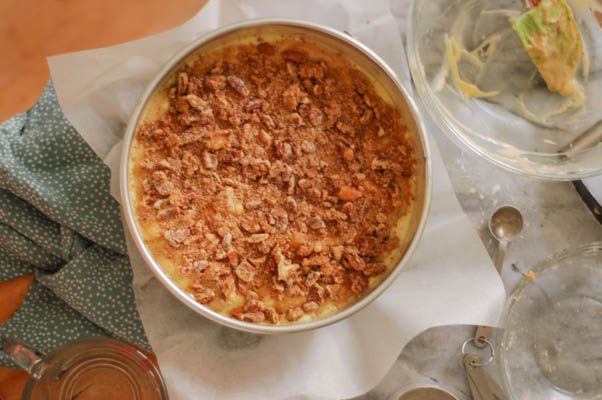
58 219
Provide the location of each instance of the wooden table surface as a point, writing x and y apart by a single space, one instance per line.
31 30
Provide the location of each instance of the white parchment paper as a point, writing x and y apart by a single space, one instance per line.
451 279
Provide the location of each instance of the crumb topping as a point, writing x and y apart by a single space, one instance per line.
274 180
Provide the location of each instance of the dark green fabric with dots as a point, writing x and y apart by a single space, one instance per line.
59 221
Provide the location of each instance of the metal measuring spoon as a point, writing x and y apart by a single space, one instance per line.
505 224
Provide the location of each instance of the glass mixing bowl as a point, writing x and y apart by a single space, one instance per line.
516 123
550 346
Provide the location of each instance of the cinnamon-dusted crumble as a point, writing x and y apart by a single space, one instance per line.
272 178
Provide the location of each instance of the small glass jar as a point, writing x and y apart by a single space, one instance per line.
550 346
91 368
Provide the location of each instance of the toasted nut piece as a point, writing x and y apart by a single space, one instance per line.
294 314
245 271
316 223
315 116
374 269
215 82
266 48
253 105
308 147
358 283
205 296
294 56
348 193
255 316
353 260
311 70
210 160
238 84
182 83
272 315
258 238
175 237
366 118
310 306
264 138
345 128
348 154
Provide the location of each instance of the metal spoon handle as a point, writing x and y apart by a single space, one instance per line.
499 257
483 333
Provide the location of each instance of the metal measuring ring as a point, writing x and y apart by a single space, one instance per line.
491 351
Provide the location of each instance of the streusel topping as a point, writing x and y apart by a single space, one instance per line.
273 180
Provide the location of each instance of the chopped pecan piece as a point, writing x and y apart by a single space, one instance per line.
230 155
238 85
358 283
312 278
199 104
291 204
283 150
308 147
250 225
162 184
255 316
310 306
253 105
311 70
348 193
294 56
295 119
258 238
317 293
227 240
374 269
353 260
349 209
167 213
316 261
285 268
305 249
228 287
245 271
381 218
215 82
175 237
204 295
316 223
348 154
218 140
272 315
182 83
210 160
345 128
293 96
293 314
366 117
264 138
315 116
233 205
200 266
266 48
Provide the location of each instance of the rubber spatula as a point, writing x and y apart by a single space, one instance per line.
549 33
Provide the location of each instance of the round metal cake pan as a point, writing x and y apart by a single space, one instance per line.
363 58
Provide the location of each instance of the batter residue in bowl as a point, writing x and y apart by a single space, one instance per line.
269 181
